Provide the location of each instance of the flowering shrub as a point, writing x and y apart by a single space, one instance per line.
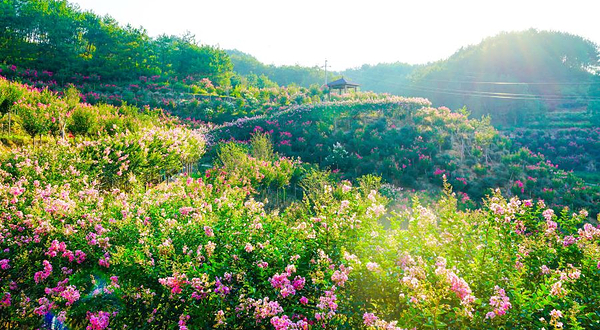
513 264
99 231
103 259
571 148
201 252
410 144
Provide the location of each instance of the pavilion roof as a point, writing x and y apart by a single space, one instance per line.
342 82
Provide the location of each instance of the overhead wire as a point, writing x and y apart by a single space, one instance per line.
485 94
510 83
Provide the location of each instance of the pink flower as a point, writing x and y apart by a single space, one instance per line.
304 300
80 256
344 204
182 321
44 307
500 302
4 264
369 319
210 248
42 275
249 248
98 321
548 214
569 240
299 282
71 294
264 308
282 282
208 231
281 323
372 266
556 314
346 188
341 276
186 210
104 262
327 303
290 269
557 289
5 302
220 288
550 227
545 270
461 288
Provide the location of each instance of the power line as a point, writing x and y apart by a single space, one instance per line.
505 94
468 74
493 95
510 83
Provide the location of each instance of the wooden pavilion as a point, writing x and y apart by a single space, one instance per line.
342 85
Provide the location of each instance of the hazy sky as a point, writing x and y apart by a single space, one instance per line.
349 33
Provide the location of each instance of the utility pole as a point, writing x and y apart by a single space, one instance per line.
326 72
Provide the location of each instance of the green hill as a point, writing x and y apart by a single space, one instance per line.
411 144
515 77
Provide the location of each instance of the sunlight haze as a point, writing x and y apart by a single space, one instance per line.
347 33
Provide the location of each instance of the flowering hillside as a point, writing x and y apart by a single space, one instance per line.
202 252
146 185
412 145
102 226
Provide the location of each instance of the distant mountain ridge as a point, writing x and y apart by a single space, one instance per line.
514 76
247 65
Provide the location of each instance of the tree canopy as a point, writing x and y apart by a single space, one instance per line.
58 36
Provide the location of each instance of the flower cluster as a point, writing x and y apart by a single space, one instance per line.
500 302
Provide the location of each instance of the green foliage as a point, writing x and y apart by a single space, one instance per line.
58 36
206 252
254 70
83 121
109 233
261 146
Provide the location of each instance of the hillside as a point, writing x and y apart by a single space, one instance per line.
58 37
167 191
99 230
202 100
412 145
538 87
514 77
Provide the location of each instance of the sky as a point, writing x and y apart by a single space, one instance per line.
349 33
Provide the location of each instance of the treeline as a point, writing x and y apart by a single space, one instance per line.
58 36
254 70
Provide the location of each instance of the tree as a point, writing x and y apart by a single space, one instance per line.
71 98
594 103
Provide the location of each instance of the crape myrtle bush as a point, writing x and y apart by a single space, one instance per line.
513 264
572 149
411 144
42 112
195 98
200 252
90 239
203 253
